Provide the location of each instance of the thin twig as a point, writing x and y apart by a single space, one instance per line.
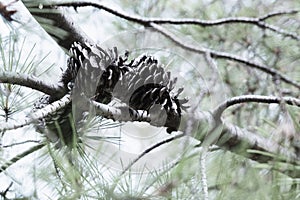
253 98
149 150
20 143
3 194
278 13
259 21
223 55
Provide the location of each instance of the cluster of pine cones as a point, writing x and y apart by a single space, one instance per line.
140 83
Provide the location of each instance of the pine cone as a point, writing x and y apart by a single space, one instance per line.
101 75
58 126
91 71
148 87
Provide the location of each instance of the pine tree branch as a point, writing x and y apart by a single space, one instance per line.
121 113
254 98
150 22
39 114
31 82
259 21
278 13
210 131
228 136
224 55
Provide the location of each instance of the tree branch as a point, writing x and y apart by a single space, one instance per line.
39 114
253 98
149 150
223 55
259 21
201 50
278 13
121 113
31 82
210 131
125 114
62 28
228 136
152 22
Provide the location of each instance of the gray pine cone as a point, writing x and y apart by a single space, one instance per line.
102 75
91 71
148 87
57 127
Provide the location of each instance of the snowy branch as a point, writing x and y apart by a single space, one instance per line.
228 136
31 82
39 114
210 131
254 98
121 113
